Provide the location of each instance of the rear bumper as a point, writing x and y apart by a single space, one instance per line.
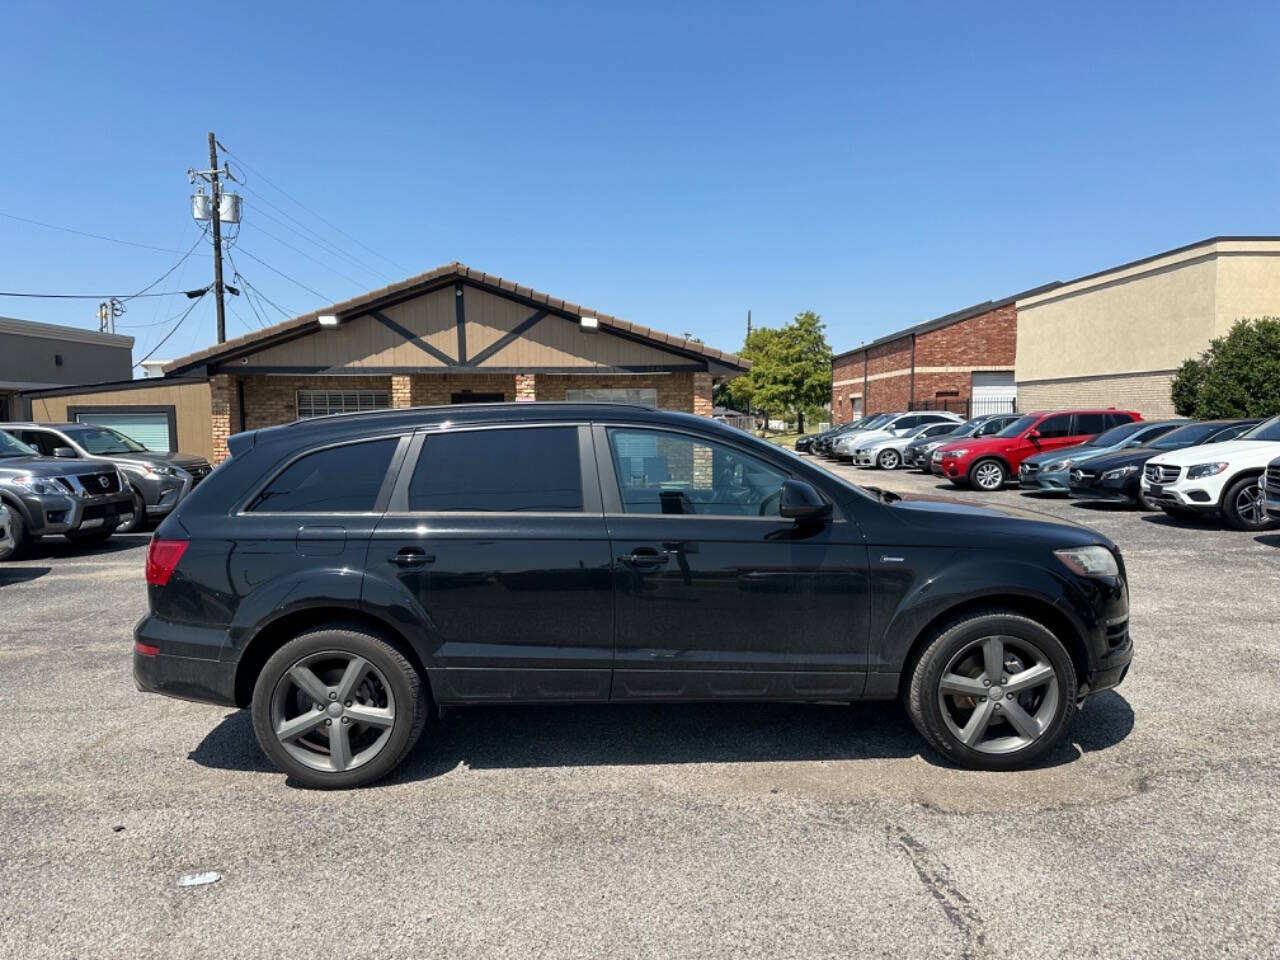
187 665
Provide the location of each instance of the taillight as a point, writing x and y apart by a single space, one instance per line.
162 560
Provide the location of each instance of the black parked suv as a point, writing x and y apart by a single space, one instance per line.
44 496
158 481
343 576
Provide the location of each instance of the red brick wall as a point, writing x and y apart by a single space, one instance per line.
982 342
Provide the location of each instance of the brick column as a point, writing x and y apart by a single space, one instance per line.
702 403
224 410
400 390
526 387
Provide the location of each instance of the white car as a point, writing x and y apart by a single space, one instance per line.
1216 478
899 426
886 452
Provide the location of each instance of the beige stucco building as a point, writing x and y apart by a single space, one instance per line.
1116 338
451 335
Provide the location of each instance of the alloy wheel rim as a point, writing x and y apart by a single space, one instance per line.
888 459
333 711
998 694
1249 505
988 476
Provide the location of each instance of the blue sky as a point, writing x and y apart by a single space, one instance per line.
673 164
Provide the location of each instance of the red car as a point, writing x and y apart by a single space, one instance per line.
988 463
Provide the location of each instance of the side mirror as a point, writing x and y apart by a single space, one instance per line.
1033 435
66 453
800 501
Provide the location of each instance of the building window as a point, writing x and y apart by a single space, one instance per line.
645 396
321 403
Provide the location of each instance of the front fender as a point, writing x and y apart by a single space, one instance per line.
962 580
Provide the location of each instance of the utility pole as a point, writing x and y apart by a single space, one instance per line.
217 239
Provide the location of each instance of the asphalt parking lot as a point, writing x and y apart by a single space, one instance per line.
655 831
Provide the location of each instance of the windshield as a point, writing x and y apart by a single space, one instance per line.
1187 436
1268 430
9 447
100 440
1109 438
1019 425
878 420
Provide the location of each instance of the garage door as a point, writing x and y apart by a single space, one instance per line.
149 429
994 392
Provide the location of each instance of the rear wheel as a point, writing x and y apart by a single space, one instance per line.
993 691
889 460
1242 506
338 707
987 475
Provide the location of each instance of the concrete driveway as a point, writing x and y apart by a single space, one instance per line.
654 831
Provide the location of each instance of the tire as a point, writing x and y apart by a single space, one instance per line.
1142 503
1242 506
889 460
139 520
390 687
15 546
988 475
949 719
89 538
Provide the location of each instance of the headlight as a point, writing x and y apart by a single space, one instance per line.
1201 470
35 484
1120 473
160 470
1089 561
951 454
1058 466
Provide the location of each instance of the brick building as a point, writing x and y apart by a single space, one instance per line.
452 335
963 361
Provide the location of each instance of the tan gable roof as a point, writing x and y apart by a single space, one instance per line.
423 283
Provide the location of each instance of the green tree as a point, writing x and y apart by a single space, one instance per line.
790 368
1238 376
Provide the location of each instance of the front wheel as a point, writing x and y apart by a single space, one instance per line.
338 707
889 460
14 540
993 691
139 520
1242 506
987 475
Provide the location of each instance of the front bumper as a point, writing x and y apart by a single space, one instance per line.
1185 495
863 458
1059 481
54 513
952 469
1115 491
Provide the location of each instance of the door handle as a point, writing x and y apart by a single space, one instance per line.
412 557
646 558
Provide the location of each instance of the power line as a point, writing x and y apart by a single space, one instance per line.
309 257
81 233
185 313
261 296
298 283
181 261
92 296
314 214
314 237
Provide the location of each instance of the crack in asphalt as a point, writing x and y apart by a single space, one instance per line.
936 877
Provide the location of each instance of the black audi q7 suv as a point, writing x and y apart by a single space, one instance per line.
343 577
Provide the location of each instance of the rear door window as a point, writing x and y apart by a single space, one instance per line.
342 479
517 470
1090 424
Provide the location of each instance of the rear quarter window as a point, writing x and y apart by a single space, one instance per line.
342 479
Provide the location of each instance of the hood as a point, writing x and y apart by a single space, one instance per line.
979 444
186 461
945 521
48 467
868 438
1123 458
1257 452
1078 452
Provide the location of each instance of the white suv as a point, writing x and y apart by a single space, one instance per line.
899 426
1216 478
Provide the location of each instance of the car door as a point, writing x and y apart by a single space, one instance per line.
495 546
1056 432
716 594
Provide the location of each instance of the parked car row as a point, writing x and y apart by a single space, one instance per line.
84 482
1089 454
